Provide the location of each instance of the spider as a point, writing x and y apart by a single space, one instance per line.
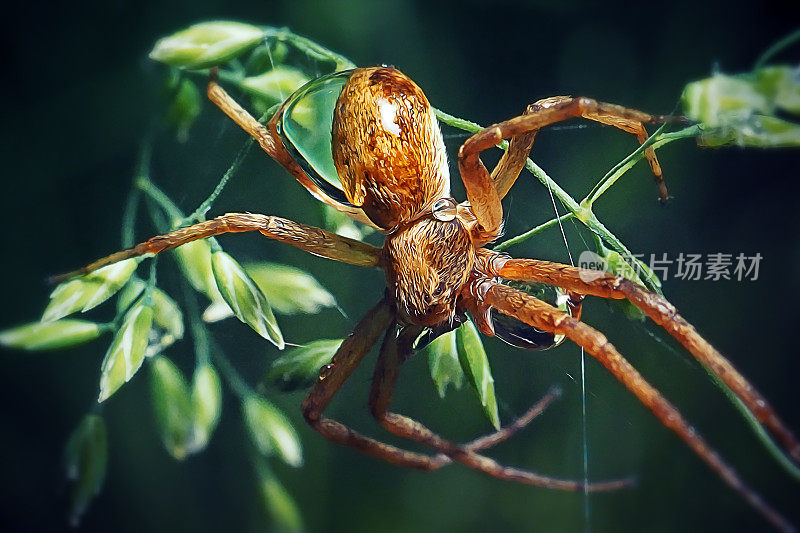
391 173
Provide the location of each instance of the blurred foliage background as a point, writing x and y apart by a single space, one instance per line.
80 94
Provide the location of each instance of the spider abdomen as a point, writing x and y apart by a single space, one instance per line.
387 146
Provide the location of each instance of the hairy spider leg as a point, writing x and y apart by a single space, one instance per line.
485 191
314 240
539 314
665 315
394 351
354 348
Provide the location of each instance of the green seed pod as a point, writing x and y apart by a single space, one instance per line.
245 298
475 364
85 459
443 362
89 291
50 335
207 404
291 290
172 407
271 431
126 353
206 44
276 84
299 367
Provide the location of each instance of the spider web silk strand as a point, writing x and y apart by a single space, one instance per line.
584 433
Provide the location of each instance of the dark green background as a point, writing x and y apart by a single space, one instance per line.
78 95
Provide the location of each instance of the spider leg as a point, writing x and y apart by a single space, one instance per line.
333 376
543 316
485 191
663 313
394 351
270 142
308 238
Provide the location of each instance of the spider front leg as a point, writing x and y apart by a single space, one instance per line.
308 238
538 314
332 377
485 191
394 351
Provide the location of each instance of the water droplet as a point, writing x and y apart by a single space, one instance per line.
444 209
325 371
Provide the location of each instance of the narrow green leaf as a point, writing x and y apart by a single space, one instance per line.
172 406
207 404
299 367
271 431
85 459
475 364
444 364
126 353
290 289
245 298
278 502
50 335
87 292
206 44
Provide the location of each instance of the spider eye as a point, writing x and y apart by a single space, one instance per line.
439 289
305 129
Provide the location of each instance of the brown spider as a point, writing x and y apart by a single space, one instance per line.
390 159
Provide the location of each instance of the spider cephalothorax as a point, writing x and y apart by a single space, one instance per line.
427 263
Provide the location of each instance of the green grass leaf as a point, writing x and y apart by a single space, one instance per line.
475 364
279 504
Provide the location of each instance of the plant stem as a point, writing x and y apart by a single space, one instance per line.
234 379
531 232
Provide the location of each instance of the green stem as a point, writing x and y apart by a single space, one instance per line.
777 47
232 376
200 338
530 233
200 213
144 184
656 140
309 47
